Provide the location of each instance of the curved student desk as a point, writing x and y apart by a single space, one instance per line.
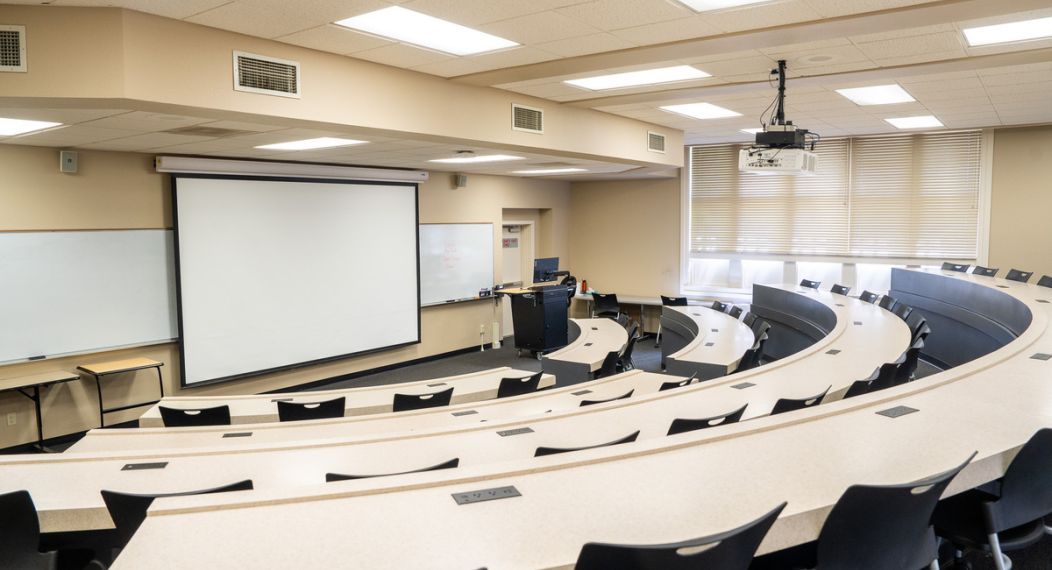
703 342
654 491
592 340
258 408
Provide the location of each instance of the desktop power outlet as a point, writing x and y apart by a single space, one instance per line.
12 418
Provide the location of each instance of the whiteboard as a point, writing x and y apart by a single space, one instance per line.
83 291
456 261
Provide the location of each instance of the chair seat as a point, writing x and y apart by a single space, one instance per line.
960 519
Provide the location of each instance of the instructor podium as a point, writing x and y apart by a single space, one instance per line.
539 317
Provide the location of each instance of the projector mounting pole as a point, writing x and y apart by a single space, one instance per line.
779 111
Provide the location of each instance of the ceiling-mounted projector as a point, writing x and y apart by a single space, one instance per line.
782 147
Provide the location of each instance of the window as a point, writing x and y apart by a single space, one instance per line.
911 197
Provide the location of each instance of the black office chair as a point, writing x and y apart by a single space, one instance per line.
887 373
784 405
622 319
1045 281
731 550
984 271
956 267
749 319
680 425
869 297
911 358
1020 276
1007 514
840 289
902 311
605 305
718 306
296 411
624 362
624 396
678 383
20 534
128 511
673 301
754 355
860 387
518 386
922 331
330 477
217 416
406 402
735 311
807 283
888 303
609 367
541 451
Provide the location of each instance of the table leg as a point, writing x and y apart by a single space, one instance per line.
98 387
40 418
160 381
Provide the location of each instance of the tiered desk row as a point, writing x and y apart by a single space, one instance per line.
661 488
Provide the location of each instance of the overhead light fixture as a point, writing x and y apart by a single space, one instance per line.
412 27
877 95
752 131
636 78
707 5
918 122
701 111
1010 32
542 171
311 144
469 157
12 127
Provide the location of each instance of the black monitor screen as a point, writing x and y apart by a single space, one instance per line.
543 269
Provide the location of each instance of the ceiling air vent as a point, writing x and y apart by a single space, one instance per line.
266 75
529 119
12 48
655 142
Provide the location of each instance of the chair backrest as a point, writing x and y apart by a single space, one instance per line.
858 388
297 411
677 384
810 284
905 371
605 303
680 425
404 402
626 356
609 366
718 306
330 477
621 318
626 395
217 416
129 510
735 311
922 331
958 267
840 289
888 527
888 303
1017 275
784 405
886 375
749 318
1045 281
759 327
20 533
518 386
1025 493
984 271
541 451
869 297
633 330
752 357
673 301
731 550
902 311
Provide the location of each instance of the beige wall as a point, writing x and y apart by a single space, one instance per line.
1020 230
121 190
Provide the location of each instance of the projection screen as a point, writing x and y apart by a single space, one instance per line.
277 273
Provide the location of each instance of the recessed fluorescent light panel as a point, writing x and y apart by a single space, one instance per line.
918 122
636 78
1011 32
11 127
706 5
877 95
311 144
752 131
411 27
542 171
477 159
701 111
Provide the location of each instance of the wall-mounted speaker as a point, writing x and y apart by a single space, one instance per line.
460 180
67 161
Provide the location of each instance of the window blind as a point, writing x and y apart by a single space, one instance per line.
899 196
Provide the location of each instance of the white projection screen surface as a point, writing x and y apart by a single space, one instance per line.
277 273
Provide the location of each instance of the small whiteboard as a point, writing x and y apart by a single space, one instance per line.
456 262
68 292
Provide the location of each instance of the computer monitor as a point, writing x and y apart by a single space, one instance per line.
544 268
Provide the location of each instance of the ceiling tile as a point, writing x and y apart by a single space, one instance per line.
829 8
904 32
938 42
166 8
144 142
540 27
475 13
73 135
762 16
147 122
274 18
668 31
617 14
583 45
401 55
334 39
464 65
65 116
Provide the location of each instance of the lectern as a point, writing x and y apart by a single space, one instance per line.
539 318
